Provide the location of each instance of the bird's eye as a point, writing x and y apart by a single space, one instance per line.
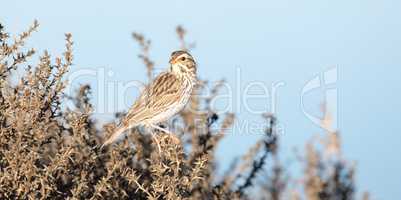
182 58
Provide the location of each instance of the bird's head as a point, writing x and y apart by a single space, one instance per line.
182 63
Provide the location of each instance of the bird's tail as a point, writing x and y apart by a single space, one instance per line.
116 135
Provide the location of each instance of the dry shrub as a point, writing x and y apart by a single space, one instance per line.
51 152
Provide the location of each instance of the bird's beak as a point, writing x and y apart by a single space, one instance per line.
172 61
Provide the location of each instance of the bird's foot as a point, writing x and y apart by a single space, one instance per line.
161 129
173 138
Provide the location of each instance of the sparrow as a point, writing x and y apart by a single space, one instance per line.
164 97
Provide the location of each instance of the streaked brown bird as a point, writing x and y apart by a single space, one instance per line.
163 98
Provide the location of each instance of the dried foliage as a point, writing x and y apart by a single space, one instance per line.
51 152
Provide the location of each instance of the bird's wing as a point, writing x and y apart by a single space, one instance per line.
163 92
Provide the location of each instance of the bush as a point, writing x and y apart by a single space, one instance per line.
52 152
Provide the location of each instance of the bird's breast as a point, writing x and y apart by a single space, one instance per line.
173 109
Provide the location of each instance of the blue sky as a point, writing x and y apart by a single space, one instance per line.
270 42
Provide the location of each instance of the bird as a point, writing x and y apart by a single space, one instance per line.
163 98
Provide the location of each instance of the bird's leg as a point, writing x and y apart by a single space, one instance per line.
160 129
157 142
170 134
154 137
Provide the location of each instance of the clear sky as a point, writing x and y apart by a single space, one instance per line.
286 41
